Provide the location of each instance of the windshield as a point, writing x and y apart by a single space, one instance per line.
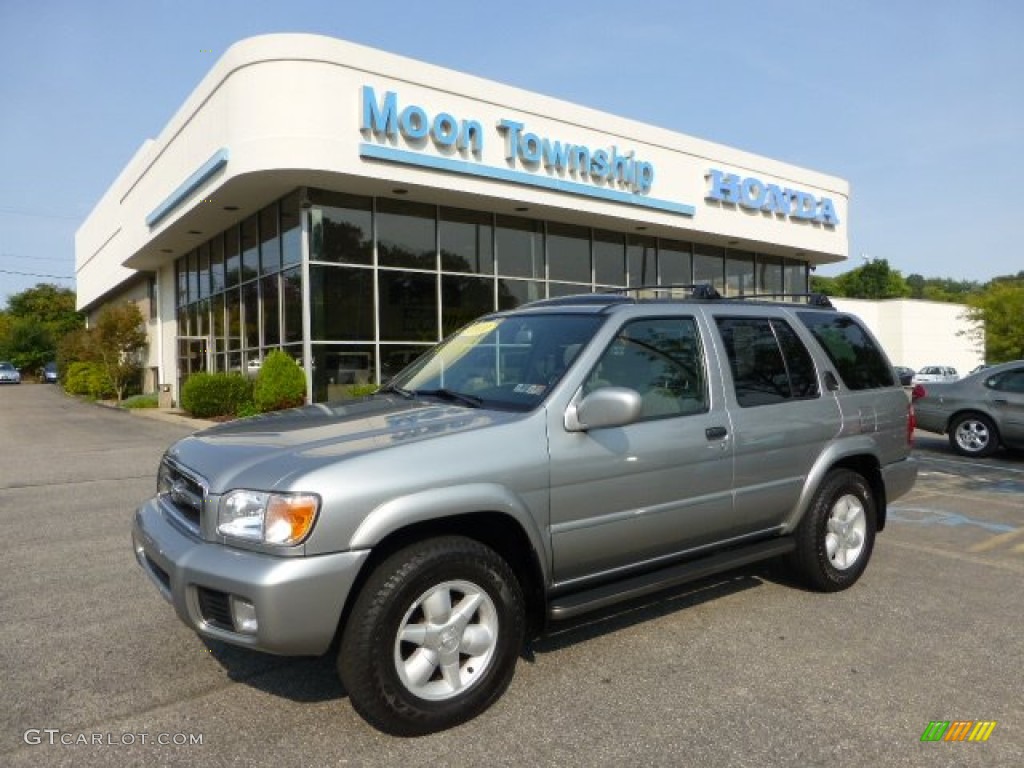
502 362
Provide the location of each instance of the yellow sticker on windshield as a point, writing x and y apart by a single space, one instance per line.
479 329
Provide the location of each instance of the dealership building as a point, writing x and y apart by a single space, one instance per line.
352 207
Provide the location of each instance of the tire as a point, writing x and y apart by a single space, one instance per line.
460 610
837 533
972 434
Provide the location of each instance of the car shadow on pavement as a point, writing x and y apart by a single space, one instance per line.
304 679
632 612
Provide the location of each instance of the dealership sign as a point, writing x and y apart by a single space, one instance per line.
404 133
755 195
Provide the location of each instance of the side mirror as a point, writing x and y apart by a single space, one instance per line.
605 407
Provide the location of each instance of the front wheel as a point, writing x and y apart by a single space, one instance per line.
835 538
433 636
973 435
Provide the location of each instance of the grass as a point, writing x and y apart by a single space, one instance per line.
140 401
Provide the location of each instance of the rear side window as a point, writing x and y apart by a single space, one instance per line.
769 363
858 360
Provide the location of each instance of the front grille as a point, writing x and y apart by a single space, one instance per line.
184 493
215 608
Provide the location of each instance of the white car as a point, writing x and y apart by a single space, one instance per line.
9 374
931 373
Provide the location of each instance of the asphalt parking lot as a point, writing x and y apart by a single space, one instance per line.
745 670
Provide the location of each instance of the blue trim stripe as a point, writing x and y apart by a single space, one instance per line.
187 187
388 154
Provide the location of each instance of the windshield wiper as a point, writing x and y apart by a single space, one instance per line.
471 401
397 390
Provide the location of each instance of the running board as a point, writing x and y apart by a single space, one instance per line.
637 586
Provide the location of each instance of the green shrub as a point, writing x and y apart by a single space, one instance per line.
246 409
281 383
140 401
88 380
215 394
360 390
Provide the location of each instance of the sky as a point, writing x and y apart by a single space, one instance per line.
918 104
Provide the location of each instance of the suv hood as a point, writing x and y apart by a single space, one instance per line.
266 452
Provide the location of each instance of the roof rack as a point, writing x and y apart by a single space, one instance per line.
813 299
697 290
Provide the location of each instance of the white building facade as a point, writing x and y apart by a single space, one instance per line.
353 207
918 333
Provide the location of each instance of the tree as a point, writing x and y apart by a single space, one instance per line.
874 280
1000 308
34 323
49 305
120 337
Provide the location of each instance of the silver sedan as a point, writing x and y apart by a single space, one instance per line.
9 374
980 412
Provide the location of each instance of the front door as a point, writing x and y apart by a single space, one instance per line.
623 496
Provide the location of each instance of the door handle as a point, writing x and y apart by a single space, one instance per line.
1001 402
715 433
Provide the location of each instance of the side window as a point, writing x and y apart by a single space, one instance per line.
768 361
661 359
1010 381
858 360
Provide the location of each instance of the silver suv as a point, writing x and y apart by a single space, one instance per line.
539 464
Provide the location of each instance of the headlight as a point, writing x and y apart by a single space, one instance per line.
271 518
163 479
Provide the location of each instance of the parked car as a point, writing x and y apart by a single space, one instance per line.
935 373
49 373
979 413
906 375
978 368
9 374
539 464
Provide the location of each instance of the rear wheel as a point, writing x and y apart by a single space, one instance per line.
433 637
972 434
837 534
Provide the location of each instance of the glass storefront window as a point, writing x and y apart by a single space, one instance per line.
232 258
739 273
340 371
291 300
675 262
407 306
204 270
181 269
467 241
233 317
291 229
709 266
406 234
251 315
270 245
341 228
513 293
395 357
519 247
769 274
217 264
269 293
566 289
217 323
250 249
464 299
193 275
609 259
569 253
641 260
795 276
341 303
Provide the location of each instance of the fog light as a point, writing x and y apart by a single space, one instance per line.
243 613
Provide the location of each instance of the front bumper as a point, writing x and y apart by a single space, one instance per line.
297 600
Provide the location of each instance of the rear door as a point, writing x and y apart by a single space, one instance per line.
781 417
1006 395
